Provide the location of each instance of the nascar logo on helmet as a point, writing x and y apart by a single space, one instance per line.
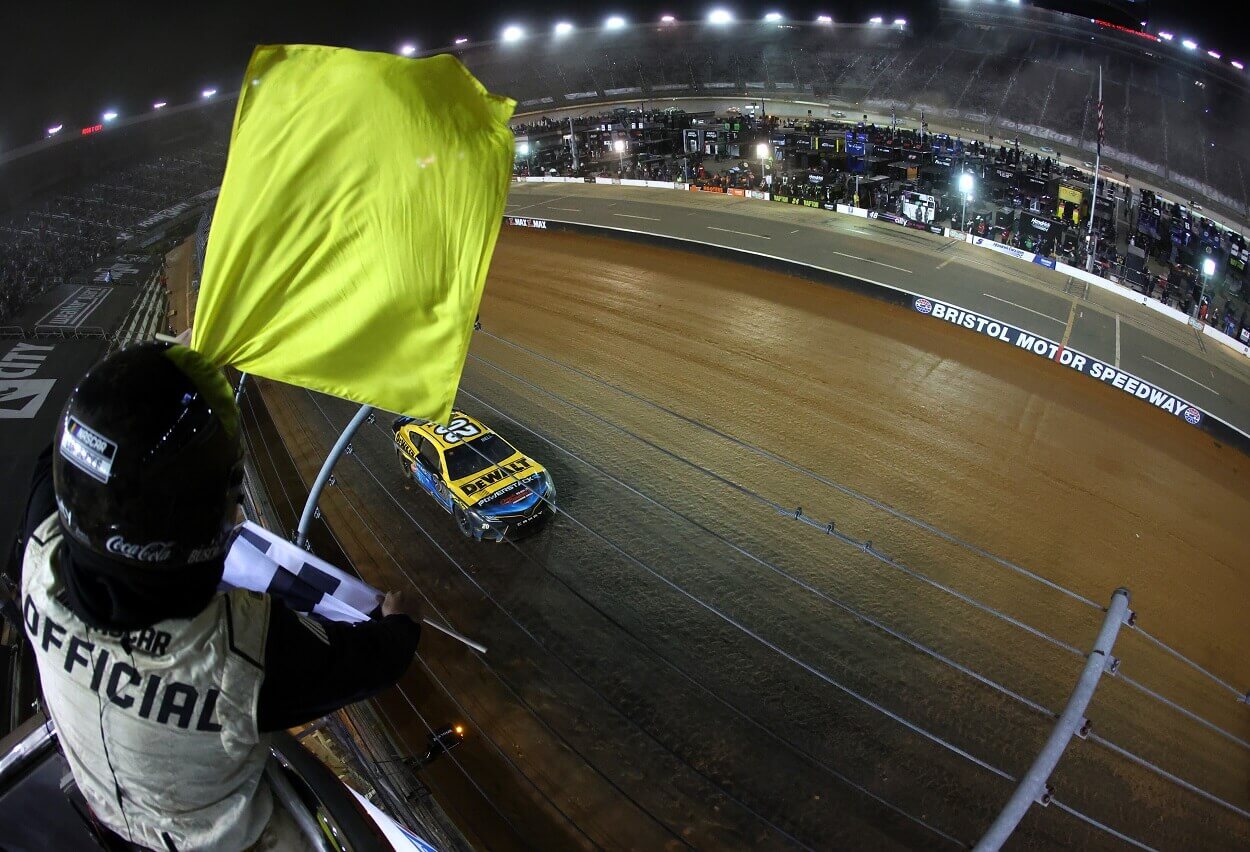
924 305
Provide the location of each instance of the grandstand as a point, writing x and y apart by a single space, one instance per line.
1172 116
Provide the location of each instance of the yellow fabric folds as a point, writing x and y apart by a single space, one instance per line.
362 198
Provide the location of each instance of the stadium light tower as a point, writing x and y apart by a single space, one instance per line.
824 19
1189 44
208 93
667 19
900 22
110 115
875 20
761 151
619 147
965 189
1237 65
461 40
1208 269
614 22
720 17
1166 36
55 129
773 17
562 28
408 49
159 105
513 33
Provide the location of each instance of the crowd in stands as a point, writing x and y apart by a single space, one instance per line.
66 232
1032 201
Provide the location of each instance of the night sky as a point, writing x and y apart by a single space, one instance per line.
66 62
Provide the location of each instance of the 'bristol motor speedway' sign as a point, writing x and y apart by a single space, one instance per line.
1091 367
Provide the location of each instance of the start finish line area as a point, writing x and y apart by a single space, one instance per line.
1066 356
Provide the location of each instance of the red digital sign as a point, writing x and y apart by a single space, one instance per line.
1128 30
95 128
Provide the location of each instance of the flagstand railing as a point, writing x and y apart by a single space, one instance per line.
340 446
1032 787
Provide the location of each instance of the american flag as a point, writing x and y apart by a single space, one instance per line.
1102 128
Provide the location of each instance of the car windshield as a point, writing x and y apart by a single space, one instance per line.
479 454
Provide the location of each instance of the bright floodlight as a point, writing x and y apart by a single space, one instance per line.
761 151
208 93
563 28
52 131
513 33
824 19
1237 65
110 115
1190 44
523 149
720 16
965 183
460 40
1213 54
1208 266
875 19
618 146
159 105
773 17
408 49
900 22
614 22
667 19
1166 36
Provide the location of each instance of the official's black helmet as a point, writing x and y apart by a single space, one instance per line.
148 461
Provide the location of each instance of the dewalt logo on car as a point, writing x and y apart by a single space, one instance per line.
499 474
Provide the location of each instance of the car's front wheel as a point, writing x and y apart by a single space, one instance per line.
463 522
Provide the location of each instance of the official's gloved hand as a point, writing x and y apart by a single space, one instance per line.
399 603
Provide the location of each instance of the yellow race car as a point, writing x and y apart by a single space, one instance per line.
488 486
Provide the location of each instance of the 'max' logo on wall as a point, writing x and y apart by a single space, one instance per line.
21 396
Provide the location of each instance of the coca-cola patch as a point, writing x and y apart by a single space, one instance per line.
152 551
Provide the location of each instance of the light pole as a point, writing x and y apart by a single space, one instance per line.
619 147
1208 269
761 151
965 189
524 150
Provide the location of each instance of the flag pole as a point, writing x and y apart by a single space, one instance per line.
1093 202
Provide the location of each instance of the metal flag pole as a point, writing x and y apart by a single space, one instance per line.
344 441
1093 202
1032 787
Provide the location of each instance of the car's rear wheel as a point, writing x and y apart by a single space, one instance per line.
463 522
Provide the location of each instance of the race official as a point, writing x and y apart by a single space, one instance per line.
161 688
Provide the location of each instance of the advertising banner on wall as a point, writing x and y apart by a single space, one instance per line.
1010 251
1082 363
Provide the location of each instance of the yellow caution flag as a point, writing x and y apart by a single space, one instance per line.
360 206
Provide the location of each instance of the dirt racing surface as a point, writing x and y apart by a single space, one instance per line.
679 659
